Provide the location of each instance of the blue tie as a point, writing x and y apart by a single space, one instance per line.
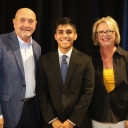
64 68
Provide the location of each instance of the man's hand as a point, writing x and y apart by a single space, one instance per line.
126 124
56 123
67 124
1 122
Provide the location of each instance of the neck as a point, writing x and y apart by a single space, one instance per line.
27 40
107 53
64 51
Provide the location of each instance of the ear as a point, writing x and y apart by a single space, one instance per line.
35 22
96 38
13 21
55 36
76 36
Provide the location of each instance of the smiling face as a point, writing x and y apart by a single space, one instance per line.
25 23
105 40
65 36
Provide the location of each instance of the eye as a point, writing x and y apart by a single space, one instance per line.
22 20
60 32
30 21
109 31
100 32
68 32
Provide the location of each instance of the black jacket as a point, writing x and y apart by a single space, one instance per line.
110 107
70 101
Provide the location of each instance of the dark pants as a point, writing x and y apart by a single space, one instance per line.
30 116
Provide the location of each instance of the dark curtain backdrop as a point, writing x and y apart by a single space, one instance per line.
83 12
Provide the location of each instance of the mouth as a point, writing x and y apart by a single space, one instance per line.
64 41
105 39
26 30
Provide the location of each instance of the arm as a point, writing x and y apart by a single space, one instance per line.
1 119
43 94
1 122
86 94
126 124
1 116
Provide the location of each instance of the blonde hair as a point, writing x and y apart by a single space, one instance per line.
111 23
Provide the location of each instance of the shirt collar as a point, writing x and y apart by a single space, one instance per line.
119 50
68 54
21 42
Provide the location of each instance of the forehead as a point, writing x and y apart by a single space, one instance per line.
104 26
27 14
65 27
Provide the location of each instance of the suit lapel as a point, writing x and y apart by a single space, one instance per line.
56 67
35 53
72 64
16 50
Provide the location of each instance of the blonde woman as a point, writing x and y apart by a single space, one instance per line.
109 105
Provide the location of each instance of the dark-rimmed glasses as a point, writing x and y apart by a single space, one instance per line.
108 32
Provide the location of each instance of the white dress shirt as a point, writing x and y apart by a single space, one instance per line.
68 54
29 66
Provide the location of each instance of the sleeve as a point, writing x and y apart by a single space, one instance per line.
82 104
43 94
0 110
0 70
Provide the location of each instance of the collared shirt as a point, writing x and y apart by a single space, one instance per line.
29 66
68 54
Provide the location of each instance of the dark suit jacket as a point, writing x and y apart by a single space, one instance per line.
12 80
70 101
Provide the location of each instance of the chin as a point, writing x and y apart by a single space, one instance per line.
27 35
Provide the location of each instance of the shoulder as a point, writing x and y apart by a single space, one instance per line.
35 43
48 55
81 57
80 54
5 36
121 51
5 39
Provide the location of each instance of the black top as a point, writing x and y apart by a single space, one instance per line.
110 107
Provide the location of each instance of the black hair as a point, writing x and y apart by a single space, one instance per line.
63 21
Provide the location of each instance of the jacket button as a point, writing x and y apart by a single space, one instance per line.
63 96
24 85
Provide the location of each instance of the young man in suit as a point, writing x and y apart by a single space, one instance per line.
63 103
19 54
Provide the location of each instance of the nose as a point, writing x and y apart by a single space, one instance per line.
65 34
105 33
26 24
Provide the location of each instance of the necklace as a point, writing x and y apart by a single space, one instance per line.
107 61
105 58
108 54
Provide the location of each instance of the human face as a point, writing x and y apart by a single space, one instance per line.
105 40
65 36
25 24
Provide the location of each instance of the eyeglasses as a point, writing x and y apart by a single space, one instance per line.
108 32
